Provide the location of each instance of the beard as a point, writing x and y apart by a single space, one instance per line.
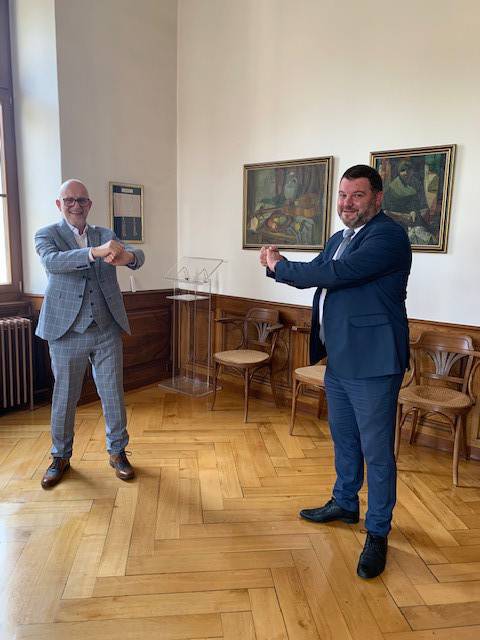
356 217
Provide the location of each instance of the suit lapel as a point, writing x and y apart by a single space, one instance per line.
93 237
334 243
93 241
358 237
67 234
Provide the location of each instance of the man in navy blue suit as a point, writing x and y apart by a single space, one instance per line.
359 320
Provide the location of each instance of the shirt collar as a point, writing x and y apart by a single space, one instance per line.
76 232
356 230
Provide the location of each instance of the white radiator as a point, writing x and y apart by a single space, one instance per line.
16 362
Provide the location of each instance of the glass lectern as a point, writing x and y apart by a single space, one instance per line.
191 336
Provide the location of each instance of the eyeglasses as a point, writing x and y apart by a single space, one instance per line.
69 202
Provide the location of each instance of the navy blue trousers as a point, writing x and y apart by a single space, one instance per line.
361 414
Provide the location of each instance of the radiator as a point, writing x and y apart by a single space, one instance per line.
16 366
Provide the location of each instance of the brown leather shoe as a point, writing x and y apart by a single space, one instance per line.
123 468
55 472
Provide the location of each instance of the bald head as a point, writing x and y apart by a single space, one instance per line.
74 183
74 203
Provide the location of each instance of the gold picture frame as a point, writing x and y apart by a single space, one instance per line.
287 204
126 211
417 192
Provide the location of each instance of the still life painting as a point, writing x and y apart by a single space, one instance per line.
287 204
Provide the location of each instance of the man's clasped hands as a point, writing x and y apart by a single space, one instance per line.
269 256
114 253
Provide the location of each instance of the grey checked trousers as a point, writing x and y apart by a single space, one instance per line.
69 356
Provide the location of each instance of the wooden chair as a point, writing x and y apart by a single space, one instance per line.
440 382
254 351
313 375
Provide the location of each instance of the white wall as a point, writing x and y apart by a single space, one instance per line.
117 72
265 80
36 123
115 113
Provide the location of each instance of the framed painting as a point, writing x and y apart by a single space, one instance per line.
126 211
417 192
287 204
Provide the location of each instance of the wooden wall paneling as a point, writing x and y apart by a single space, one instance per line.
19 307
148 356
201 333
192 336
433 433
42 371
183 336
147 353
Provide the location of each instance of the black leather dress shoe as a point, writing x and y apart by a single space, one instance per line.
55 471
123 468
330 512
373 557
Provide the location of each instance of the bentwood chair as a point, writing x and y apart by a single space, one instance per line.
440 382
313 375
259 332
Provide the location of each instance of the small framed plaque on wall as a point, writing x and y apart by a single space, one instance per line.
126 211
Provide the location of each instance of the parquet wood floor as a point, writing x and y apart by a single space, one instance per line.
207 543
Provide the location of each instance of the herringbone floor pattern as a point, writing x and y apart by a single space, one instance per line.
206 542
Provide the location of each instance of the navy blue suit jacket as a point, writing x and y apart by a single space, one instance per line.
364 315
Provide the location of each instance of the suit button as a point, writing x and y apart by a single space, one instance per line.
80 296
91 290
91 303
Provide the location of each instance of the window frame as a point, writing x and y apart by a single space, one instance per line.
12 291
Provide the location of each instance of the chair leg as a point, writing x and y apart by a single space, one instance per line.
466 448
276 399
247 386
414 426
456 448
295 390
321 402
215 376
398 430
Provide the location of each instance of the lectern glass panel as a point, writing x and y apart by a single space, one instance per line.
191 336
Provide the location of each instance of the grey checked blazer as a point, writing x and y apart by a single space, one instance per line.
66 265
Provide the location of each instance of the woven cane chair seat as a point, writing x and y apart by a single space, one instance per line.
434 396
314 374
241 357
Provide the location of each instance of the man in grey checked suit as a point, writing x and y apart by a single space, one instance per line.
82 317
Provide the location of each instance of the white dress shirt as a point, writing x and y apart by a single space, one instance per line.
81 239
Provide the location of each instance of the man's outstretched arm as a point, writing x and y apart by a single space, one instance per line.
379 254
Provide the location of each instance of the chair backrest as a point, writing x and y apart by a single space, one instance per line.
452 362
257 329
